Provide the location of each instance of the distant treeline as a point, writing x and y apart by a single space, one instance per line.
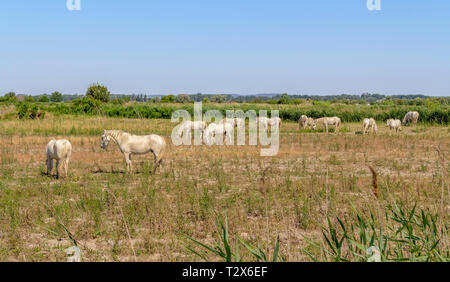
226 98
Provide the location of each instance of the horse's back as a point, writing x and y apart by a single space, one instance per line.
59 149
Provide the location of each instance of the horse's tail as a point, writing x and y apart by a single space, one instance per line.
161 153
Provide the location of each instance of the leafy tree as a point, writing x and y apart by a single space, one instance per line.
98 92
56 97
43 98
205 100
182 98
218 98
29 99
284 99
168 99
10 96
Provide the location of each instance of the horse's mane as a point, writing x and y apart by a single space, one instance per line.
116 133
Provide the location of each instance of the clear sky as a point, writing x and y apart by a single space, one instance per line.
226 46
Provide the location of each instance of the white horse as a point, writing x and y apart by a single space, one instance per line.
221 129
411 117
133 144
275 121
326 121
394 124
236 122
302 122
187 126
369 124
59 150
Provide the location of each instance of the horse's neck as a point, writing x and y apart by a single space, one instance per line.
119 137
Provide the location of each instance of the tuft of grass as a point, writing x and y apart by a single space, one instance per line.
408 234
223 248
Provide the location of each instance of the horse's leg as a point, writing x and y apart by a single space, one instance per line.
128 161
66 166
57 168
156 163
49 166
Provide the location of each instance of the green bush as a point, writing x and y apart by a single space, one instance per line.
26 110
182 98
98 92
118 101
168 99
43 99
86 105
56 97
8 97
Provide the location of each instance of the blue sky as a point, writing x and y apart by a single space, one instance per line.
226 46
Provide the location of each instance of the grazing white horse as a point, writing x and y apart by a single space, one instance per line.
310 123
326 121
302 122
369 124
239 122
394 124
265 122
133 144
187 126
59 150
275 121
221 129
236 122
305 122
411 117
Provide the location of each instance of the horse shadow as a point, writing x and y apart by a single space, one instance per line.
143 170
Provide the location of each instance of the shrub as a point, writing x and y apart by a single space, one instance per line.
9 97
98 92
218 98
43 99
182 98
118 101
29 99
26 110
284 99
168 99
22 110
86 105
56 97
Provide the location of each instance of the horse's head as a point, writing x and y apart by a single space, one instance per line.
105 140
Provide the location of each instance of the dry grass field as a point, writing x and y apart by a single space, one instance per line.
114 216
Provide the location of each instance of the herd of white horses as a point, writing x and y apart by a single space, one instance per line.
129 144
222 128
